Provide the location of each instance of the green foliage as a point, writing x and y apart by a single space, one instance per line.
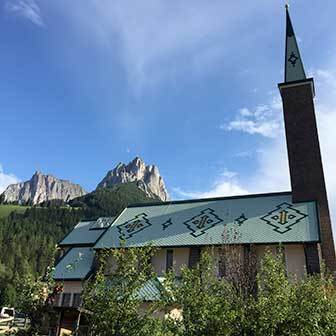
7 209
273 302
283 307
110 201
279 307
28 235
34 296
112 297
29 240
208 304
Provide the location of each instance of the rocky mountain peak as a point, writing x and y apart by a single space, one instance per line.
41 188
148 178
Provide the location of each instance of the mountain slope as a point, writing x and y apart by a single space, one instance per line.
7 209
41 188
109 201
146 177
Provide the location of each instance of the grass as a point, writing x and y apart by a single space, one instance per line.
6 209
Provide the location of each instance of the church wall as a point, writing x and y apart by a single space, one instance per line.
180 258
159 261
260 250
294 257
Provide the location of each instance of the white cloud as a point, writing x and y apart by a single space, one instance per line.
272 173
158 39
228 174
325 82
226 185
6 180
264 120
28 9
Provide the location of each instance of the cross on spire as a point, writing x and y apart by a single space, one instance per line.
294 70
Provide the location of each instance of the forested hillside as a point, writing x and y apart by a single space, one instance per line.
6 210
28 238
111 200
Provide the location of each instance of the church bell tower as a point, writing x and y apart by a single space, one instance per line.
304 156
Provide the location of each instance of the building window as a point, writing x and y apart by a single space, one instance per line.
77 300
169 260
57 299
194 256
66 298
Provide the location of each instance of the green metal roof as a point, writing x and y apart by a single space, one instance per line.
151 290
268 218
86 233
75 265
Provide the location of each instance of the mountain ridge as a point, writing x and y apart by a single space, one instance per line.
48 188
147 177
41 188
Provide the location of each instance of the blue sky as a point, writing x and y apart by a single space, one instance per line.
190 86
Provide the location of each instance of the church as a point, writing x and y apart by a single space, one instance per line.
298 220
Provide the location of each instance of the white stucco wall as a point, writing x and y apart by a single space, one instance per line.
180 258
159 261
295 260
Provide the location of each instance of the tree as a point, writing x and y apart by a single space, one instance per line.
34 298
113 296
209 305
278 305
292 307
273 301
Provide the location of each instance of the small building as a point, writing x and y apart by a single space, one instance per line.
73 268
298 220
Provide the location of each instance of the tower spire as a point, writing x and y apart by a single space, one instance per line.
304 155
294 70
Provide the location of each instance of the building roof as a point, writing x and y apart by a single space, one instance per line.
265 218
151 290
86 233
76 264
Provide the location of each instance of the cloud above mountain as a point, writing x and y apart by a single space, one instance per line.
6 179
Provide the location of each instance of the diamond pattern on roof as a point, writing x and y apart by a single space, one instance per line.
133 226
272 218
202 222
283 217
